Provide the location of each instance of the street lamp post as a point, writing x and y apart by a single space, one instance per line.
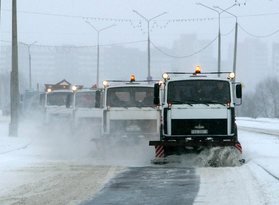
219 33
148 38
30 76
235 39
98 46
13 128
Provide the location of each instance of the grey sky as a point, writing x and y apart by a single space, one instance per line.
66 25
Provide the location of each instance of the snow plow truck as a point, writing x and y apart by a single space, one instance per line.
198 116
129 112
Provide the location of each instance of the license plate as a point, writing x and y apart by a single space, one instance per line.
199 131
133 128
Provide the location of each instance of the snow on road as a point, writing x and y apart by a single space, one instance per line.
37 168
44 169
257 181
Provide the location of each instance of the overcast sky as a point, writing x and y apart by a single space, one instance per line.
63 22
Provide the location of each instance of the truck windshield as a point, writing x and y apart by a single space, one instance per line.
85 99
198 92
130 97
58 98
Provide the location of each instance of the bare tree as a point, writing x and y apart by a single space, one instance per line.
263 102
272 94
248 108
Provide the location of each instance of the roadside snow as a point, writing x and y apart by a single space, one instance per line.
42 168
48 169
229 186
257 181
54 183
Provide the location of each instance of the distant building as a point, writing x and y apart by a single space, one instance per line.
190 52
120 63
78 65
252 62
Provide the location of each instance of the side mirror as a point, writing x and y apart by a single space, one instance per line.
156 93
97 98
238 90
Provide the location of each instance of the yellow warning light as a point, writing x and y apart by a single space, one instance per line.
198 69
64 86
133 78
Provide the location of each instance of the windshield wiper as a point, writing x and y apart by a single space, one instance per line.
181 102
216 103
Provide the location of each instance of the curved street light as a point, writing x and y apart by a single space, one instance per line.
98 46
30 78
235 39
148 38
219 32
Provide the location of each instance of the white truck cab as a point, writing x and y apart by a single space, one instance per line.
87 107
54 101
129 110
198 110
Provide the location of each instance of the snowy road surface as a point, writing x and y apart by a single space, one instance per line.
38 168
150 185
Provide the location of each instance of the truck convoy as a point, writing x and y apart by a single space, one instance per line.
198 115
129 111
185 113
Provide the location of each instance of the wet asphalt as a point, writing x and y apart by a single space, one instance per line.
150 185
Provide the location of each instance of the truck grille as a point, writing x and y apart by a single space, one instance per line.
213 126
133 126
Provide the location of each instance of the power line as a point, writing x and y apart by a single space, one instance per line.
130 20
263 36
65 46
116 44
226 34
186 56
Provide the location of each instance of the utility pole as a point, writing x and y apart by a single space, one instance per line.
98 47
13 128
235 40
148 38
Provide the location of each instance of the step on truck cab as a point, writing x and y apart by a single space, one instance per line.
198 111
129 111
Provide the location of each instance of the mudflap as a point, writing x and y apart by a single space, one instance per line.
163 156
98 143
